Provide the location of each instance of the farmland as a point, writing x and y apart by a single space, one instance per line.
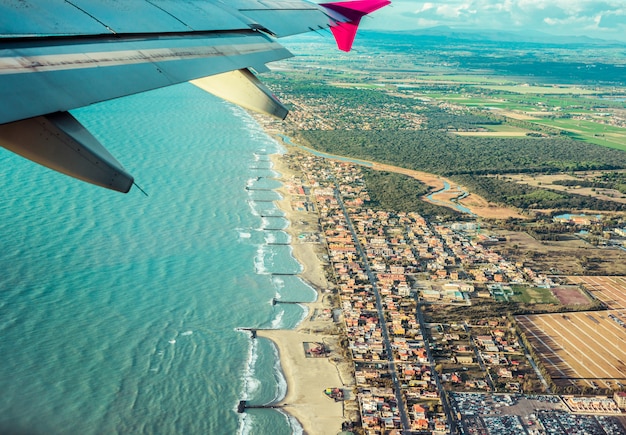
584 350
542 90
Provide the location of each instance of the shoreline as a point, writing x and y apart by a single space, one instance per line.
307 377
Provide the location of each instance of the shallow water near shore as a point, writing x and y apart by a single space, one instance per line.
121 313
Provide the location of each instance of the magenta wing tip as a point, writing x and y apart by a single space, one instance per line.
345 31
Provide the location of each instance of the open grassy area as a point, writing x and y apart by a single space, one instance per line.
544 90
567 100
465 78
533 295
571 257
593 132
502 130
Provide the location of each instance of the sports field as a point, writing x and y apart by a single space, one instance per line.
580 349
609 289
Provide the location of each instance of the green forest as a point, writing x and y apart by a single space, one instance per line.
400 193
448 154
468 159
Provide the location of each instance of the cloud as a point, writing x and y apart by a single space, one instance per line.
614 20
596 18
424 7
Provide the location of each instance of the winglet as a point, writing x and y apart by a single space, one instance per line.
345 32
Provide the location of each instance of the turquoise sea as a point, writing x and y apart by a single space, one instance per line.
120 313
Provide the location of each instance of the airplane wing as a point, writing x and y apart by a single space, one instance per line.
58 55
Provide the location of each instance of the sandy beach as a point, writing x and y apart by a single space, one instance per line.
308 377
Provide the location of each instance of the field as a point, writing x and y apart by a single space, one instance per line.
543 90
547 180
609 289
514 115
569 257
590 131
460 78
570 295
496 131
540 104
584 349
533 295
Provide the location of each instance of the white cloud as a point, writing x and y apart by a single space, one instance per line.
456 11
596 18
425 7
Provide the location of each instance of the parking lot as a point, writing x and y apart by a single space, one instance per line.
504 414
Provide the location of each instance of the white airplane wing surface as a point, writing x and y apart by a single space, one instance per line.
58 55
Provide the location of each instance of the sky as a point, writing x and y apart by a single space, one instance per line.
604 19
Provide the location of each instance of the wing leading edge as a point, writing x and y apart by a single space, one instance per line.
57 55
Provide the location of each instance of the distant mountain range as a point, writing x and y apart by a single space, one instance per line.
498 36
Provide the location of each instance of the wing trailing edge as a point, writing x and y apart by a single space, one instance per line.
241 87
58 141
345 31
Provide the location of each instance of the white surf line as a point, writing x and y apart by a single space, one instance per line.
551 349
577 348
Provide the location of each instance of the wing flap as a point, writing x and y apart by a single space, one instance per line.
58 141
57 55
99 17
241 87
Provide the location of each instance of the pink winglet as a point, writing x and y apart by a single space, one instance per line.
345 32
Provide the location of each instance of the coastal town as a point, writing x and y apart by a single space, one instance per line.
469 222
432 347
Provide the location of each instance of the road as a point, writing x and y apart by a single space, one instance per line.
404 419
442 392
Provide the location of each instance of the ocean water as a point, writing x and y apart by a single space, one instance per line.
121 313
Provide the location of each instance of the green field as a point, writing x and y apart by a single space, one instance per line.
502 130
572 101
541 90
533 295
593 132
465 78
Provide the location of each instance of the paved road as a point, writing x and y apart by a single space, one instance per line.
381 315
442 392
